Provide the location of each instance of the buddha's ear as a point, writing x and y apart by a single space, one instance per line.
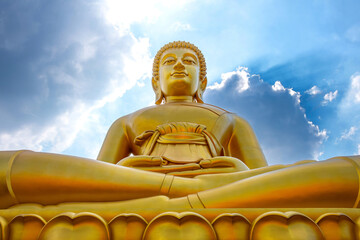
158 93
203 84
201 90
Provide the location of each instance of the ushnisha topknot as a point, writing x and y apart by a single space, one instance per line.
179 44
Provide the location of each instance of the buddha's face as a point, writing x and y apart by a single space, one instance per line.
179 72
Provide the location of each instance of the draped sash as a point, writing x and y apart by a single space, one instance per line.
179 142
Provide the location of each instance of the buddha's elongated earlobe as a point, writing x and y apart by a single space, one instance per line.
198 96
201 90
158 93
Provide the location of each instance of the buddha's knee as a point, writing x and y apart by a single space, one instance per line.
354 160
7 195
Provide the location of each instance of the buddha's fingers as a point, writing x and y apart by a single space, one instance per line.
171 168
223 162
203 172
140 161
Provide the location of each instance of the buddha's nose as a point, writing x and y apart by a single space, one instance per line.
179 66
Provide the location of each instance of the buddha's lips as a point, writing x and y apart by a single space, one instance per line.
179 74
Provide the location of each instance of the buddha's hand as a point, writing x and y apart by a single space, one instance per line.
221 164
155 164
140 161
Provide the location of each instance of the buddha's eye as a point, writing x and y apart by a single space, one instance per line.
189 61
169 61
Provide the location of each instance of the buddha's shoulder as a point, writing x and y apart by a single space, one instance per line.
150 117
217 110
176 109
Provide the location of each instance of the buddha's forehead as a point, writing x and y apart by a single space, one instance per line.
179 52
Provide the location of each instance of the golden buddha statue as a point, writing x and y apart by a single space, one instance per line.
180 153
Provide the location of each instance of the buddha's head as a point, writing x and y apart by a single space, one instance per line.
179 72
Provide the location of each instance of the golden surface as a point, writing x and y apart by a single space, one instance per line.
127 226
177 226
26 226
184 225
284 226
231 226
337 226
75 226
178 155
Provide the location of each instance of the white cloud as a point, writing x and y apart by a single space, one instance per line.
350 103
349 133
278 86
347 112
313 91
355 88
122 14
296 95
138 63
59 134
319 133
241 74
280 122
317 155
330 96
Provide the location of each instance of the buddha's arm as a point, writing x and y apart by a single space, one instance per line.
244 145
116 145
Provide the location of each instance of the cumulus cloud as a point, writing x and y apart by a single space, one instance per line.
275 113
278 86
330 96
241 74
314 90
57 74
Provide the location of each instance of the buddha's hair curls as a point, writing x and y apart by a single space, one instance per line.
179 44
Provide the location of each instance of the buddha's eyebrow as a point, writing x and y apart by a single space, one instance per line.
190 55
168 55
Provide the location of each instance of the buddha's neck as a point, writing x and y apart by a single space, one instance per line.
170 99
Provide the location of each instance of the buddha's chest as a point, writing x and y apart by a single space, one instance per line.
151 119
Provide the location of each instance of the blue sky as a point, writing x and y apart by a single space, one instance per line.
68 69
